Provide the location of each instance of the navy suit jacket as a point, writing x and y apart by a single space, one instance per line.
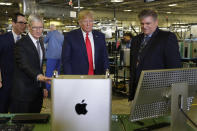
6 67
74 54
161 52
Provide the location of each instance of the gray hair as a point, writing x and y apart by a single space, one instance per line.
53 27
147 12
34 18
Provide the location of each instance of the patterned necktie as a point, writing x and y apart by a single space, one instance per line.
38 49
145 41
142 46
89 53
18 37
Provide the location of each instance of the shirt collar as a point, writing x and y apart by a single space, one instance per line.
15 35
155 32
32 38
84 33
148 35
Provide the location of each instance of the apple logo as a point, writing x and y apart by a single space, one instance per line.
80 108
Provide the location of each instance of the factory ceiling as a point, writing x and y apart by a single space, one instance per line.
185 10
174 6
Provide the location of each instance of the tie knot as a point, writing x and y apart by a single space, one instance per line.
87 34
146 37
17 37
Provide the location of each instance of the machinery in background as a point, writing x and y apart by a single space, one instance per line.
188 52
119 59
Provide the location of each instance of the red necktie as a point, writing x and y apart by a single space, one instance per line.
89 52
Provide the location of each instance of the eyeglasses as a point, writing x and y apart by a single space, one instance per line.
37 28
20 22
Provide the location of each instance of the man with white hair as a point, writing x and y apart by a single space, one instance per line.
27 92
53 52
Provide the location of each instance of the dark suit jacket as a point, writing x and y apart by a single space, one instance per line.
161 52
74 54
6 67
26 68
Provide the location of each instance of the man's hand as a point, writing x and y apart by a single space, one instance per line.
44 79
45 93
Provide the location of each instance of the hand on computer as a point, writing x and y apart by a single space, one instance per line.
43 78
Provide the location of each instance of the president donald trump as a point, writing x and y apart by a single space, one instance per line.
84 49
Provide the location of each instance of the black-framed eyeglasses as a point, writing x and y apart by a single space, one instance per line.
20 22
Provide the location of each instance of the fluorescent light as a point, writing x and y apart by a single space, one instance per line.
117 0
168 12
76 7
3 3
172 5
120 27
128 10
70 26
149 0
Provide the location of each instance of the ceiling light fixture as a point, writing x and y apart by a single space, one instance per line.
168 12
3 3
127 10
148 1
172 5
117 0
76 7
70 26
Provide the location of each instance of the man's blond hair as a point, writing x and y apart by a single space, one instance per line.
85 13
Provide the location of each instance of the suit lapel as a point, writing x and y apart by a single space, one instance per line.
33 47
11 38
137 48
96 44
82 43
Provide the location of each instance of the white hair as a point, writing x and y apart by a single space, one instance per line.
34 18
